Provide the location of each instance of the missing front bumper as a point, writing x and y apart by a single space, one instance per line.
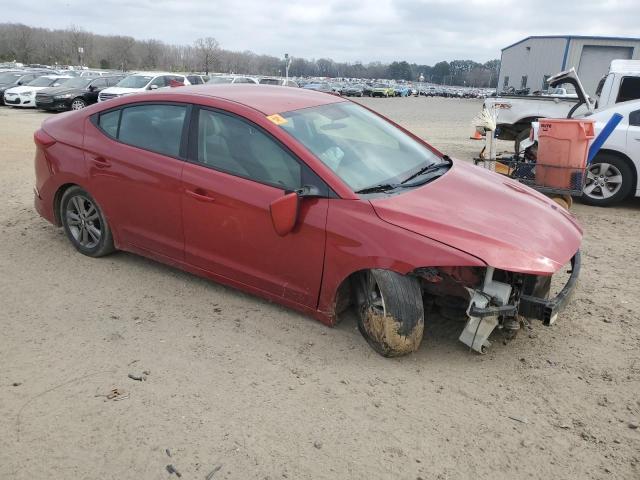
483 317
547 310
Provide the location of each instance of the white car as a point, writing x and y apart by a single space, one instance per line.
140 82
232 79
613 173
25 95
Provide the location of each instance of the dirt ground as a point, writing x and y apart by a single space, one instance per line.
263 392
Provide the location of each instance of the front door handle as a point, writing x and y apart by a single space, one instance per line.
200 195
101 162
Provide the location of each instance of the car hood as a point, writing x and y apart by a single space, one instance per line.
122 90
23 88
507 225
61 90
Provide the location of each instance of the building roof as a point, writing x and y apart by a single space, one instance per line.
573 37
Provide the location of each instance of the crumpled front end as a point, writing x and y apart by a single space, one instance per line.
490 298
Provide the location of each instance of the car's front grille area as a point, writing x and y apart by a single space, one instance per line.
107 96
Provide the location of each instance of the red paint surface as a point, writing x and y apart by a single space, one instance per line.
219 226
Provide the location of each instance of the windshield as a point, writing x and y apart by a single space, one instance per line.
45 81
78 82
10 77
220 80
135 81
360 147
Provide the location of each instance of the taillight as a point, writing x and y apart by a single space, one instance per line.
42 138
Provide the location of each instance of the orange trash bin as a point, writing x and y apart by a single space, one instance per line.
563 146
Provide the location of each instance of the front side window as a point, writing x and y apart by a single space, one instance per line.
232 145
194 80
99 83
152 127
159 82
78 82
629 89
243 80
360 147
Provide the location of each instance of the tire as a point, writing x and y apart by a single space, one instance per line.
78 104
390 312
85 224
609 180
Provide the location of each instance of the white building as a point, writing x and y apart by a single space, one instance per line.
529 62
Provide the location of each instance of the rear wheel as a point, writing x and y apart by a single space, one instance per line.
84 223
609 180
390 312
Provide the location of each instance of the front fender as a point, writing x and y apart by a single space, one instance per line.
357 239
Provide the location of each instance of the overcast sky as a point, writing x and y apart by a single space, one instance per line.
418 31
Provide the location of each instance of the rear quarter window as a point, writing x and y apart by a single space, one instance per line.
108 123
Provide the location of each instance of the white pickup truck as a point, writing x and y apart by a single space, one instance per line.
516 112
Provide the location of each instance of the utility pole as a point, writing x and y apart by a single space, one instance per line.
287 64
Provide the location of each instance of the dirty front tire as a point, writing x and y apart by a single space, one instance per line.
84 223
390 312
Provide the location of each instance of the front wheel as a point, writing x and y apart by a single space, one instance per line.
390 312
609 180
78 104
85 224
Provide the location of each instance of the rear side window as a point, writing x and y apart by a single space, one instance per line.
108 122
153 127
634 118
194 80
629 89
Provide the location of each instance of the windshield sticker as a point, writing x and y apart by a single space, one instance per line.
277 119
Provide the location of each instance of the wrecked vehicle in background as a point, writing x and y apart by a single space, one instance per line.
309 200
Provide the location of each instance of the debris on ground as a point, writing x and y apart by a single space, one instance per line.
114 394
171 469
168 452
16 384
140 378
518 419
213 472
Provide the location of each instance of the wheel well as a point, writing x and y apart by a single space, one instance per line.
57 198
628 161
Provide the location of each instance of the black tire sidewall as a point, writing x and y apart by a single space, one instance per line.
105 245
627 180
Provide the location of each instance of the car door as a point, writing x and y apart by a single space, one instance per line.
633 141
236 171
134 165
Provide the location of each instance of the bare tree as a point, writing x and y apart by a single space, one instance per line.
206 51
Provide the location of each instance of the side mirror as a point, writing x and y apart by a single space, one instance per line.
153 87
284 213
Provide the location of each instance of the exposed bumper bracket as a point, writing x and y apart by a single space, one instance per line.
547 310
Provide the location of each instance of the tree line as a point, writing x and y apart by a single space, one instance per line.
74 46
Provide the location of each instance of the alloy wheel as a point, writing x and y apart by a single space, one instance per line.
83 220
604 180
77 104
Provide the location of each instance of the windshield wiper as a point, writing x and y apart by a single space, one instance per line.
428 169
383 187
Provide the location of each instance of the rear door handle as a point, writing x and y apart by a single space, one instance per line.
200 195
101 162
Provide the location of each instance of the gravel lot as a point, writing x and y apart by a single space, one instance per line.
263 392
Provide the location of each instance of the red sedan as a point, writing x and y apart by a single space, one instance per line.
309 200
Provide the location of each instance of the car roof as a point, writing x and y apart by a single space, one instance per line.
268 99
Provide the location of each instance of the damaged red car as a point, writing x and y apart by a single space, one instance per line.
308 200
